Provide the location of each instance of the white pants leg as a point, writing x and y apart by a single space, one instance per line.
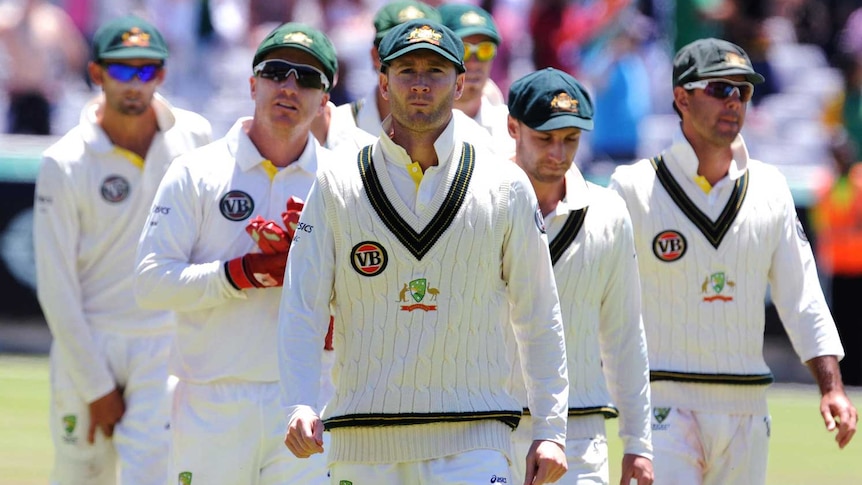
475 467
587 457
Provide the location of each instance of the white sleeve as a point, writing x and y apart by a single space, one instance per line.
623 342
164 276
796 291
303 317
55 235
535 314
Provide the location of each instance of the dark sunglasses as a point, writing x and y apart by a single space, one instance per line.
722 88
279 70
485 51
125 73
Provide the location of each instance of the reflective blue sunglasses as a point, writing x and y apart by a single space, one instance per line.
125 73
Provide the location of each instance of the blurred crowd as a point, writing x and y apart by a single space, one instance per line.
620 49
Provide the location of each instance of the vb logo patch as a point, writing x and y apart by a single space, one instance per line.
368 258
115 189
660 414
184 478
236 205
69 423
418 289
669 246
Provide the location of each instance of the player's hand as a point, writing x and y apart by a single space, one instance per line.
257 270
105 413
637 469
546 463
290 217
305 435
268 235
838 413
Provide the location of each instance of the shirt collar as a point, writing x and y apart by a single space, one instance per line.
396 154
95 136
577 192
685 160
247 155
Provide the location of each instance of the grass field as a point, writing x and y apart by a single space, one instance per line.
801 453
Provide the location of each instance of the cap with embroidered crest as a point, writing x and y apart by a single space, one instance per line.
550 99
710 58
129 37
300 36
466 20
419 34
396 13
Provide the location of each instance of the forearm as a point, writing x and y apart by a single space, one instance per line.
826 373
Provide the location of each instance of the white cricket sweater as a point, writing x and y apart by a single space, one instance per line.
705 262
595 266
420 282
91 202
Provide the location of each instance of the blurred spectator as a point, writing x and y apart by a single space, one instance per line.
837 221
40 49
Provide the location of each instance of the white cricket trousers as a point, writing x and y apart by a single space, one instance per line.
232 433
475 467
138 452
694 448
586 456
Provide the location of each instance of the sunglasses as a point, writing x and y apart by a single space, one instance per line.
125 73
485 51
279 70
723 88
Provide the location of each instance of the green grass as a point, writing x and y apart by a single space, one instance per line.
801 452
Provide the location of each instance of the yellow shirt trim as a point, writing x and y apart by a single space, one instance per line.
415 171
269 168
131 156
704 184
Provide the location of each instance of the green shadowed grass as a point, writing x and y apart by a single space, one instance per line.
801 451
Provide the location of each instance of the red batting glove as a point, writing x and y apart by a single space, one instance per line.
268 236
291 215
256 270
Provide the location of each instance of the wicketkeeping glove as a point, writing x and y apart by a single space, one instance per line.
256 270
268 236
291 215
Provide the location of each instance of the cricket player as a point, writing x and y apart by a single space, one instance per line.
110 392
214 250
713 228
592 248
481 38
420 246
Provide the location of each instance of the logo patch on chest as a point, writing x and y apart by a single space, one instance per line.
115 189
368 258
717 287
236 205
669 246
418 289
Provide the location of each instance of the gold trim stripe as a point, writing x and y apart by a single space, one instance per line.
567 234
734 379
417 243
510 418
714 231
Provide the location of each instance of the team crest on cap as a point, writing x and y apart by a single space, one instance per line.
297 38
135 37
735 59
425 34
115 189
410 13
472 18
564 102
669 246
236 205
368 258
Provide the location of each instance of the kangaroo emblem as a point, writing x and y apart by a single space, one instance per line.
402 295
